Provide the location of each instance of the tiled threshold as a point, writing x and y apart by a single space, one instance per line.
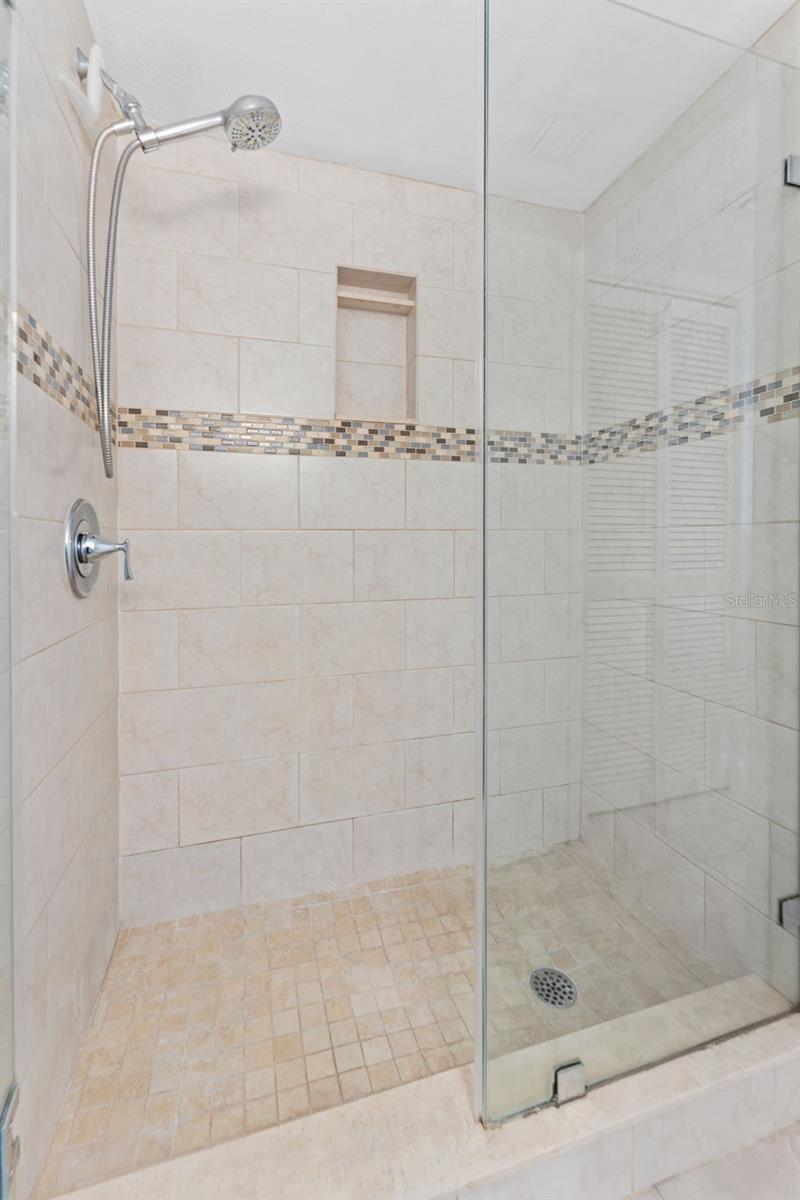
421 1140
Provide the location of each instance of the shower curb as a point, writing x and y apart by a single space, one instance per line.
421 1141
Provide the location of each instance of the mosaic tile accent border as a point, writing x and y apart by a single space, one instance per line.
774 398
248 433
42 361
514 446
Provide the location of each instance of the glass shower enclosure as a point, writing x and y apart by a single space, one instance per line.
642 494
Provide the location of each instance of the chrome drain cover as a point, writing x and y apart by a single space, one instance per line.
554 987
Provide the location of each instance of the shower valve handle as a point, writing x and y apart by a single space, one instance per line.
91 546
85 548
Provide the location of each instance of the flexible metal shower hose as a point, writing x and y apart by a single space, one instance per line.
101 344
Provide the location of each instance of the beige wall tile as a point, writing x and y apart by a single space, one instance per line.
400 565
366 392
169 884
286 379
302 567
237 645
236 491
147 287
349 782
409 245
446 203
147 489
293 861
160 730
414 840
159 368
148 812
434 391
174 211
246 299
446 322
310 714
440 633
402 704
183 570
339 639
347 183
233 799
440 770
441 495
294 230
364 336
317 308
148 651
212 156
351 493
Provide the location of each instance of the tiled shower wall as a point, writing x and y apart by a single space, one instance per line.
297 649
297 654
65 814
690 764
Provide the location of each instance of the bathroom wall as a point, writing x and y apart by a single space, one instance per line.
297 648
65 650
690 522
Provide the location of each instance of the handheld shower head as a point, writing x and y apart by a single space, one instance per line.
252 122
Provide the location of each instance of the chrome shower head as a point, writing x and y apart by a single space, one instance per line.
252 122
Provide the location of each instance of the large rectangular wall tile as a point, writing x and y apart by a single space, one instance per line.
440 770
148 812
514 825
148 651
537 756
777 674
402 704
351 782
147 287
351 494
294 230
411 245
440 633
291 568
308 714
229 800
403 565
227 491
183 570
341 639
446 323
245 299
413 840
178 212
515 694
164 368
237 645
286 378
148 490
291 862
540 626
753 761
159 730
441 496
167 885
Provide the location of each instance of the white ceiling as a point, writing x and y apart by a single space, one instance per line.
578 87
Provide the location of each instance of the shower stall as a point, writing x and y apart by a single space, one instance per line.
437 760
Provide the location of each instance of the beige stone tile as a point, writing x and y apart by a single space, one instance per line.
383 1075
293 1103
348 1057
355 1084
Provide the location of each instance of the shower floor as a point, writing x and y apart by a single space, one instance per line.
220 1025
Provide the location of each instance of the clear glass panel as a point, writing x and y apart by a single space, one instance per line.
6 376
642 499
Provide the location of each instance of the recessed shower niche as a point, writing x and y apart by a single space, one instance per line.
375 345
